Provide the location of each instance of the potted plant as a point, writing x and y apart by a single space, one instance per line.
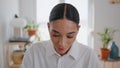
106 37
32 28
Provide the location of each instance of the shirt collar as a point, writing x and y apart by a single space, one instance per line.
74 51
50 49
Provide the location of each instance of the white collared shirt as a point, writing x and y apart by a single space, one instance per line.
43 55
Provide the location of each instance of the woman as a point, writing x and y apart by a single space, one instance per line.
62 51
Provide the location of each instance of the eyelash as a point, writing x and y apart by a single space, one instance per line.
59 36
69 37
56 35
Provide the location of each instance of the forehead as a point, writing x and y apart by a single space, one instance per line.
64 25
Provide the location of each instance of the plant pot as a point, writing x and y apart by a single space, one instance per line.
105 53
31 32
17 56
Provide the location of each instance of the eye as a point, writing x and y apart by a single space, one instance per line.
55 35
70 36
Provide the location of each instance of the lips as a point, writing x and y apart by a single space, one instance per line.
61 49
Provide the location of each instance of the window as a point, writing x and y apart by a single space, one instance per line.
43 14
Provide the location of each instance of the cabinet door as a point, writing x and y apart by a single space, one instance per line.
102 64
109 65
106 64
117 64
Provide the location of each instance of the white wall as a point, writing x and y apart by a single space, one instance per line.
106 15
28 9
7 10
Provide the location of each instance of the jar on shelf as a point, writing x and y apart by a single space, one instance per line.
17 56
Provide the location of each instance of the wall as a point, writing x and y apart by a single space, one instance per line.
7 10
28 9
106 15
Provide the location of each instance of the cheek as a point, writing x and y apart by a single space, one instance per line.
70 41
54 40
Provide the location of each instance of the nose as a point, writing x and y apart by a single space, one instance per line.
62 42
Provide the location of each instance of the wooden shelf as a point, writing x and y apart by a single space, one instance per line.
110 64
17 43
14 66
10 49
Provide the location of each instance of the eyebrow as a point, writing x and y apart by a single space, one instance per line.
67 33
71 32
55 31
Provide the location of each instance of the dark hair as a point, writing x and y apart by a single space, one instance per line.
64 10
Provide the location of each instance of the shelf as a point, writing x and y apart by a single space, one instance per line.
110 63
11 48
14 66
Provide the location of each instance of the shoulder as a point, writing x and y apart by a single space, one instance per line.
84 52
39 47
88 55
84 49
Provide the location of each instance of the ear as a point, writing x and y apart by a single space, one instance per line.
78 27
49 26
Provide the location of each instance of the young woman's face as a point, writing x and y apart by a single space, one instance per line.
63 33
